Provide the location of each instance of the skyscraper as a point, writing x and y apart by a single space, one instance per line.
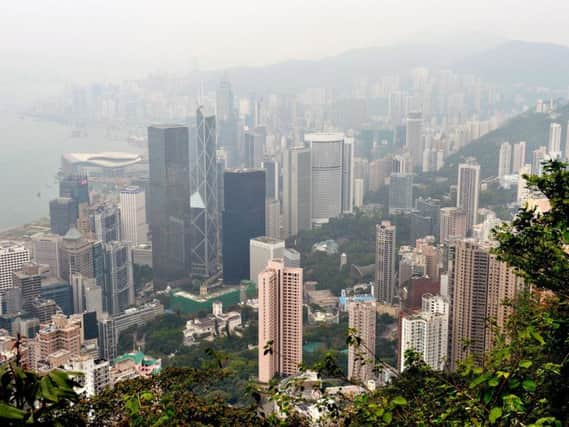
28 280
204 202
429 208
554 146
63 213
361 359
46 251
538 157
106 222
453 224
273 218
478 285
348 176
75 187
297 198
505 160
12 258
134 228
271 168
426 332
385 288
118 289
254 142
79 255
327 175
280 320
327 151
224 101
467 193
358 192
379 171
414 138
401 164
519 156
400 193
226 122
263 249
170 217
243 219
523 191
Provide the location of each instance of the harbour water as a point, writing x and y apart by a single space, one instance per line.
30 155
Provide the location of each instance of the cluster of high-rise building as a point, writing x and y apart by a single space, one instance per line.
226 191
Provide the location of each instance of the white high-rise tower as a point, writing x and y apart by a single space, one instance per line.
134 228
505 160
468 190
554 147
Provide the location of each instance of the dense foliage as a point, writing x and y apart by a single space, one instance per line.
30 398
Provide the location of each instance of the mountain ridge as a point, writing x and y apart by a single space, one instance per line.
530 63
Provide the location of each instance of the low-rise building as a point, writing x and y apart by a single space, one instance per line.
214 325
133 365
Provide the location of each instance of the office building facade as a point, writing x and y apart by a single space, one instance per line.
13 256
297 191
170 216
134 228
204 199
263 249
63 214
243 219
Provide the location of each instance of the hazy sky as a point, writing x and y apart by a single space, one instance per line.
109 38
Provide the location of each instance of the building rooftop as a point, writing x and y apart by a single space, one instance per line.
73 234
210 295
8 246
105 159
167 126
324 137
268 240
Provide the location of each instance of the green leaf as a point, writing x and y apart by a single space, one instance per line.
8 412
399 400
479 380
495 413
529 385
536 335
146 396
525 364
47 390
494 382
132 405
387 417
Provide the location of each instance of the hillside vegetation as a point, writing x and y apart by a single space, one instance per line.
530 127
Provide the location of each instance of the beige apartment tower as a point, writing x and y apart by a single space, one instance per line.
280 320
478 286
385 289
361 359
452 224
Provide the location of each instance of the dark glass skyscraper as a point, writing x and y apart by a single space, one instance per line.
76 187
170 217
62 214
243 219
